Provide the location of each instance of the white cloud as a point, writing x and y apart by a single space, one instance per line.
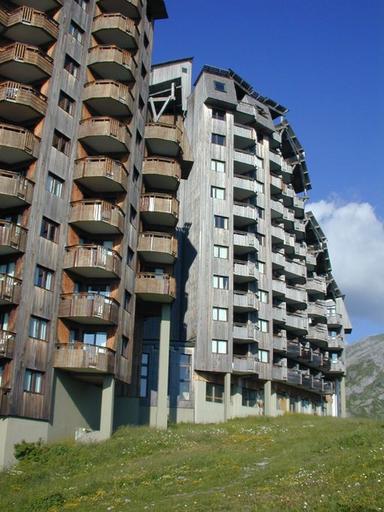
356 245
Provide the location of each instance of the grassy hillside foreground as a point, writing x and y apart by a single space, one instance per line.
289 463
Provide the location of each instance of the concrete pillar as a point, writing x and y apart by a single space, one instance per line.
163 370
107 407
342 398
227 396
269 399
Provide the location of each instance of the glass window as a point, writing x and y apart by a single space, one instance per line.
76 31
219 86
263 356
260 267
262 325
38 328
214 393
184 376
33 381
221 222
49 229
61 142
72 66
248 397
218 114
98 338
219 346
221 282
260 187
66 103
54 184
220 314
43 278
83 4
217 166
144 375
263 296
218 192
216 138
220 251
124 346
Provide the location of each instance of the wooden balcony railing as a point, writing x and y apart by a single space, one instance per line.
154 284
21 94
101 167
82 356
154 241
13 236
97 211
111 53
30 55
10 289
12 184
89 305
92 256
109 90
14 137
155 202
7 344
115 21
34 18
167 167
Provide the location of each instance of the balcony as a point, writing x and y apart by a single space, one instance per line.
279 372
89 308
299 227
278 260
328 388
300 250
317 310
277 185
161 173
334 320
244 187
336 342
318 334
336 367
13 238
7 344
244 242
294 349
83 358
297 323
97 217
159 209
29 26
275 161
17 145
288 217
245 333
244 271
129 8
316 286
163 139
277 209
245 301
26 64
15 190
20 103
115 29
298 204
111 62
245 365
105 135
40 5
101 174
10 289
151 287
296 295
155 247
278 235
93 261
294 377
279 314
278 287
311 260
243 161
109 98
279 342
244 214
289 243
295 271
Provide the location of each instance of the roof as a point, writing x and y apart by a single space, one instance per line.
169 62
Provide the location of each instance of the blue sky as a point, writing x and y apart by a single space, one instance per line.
324 60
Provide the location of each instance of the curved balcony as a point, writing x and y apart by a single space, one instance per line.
17 145
161 173
318 334
101 174
83 358
248 365
245 301
317 310
155 247
109 98
334 320
244 214
3 19
10 288
296 323
279 287
116 29
163 139
15 190
278 260
295 271
29 26
244 187
130 8
244 242
296 295
20 103
40 5
7 344
93 261
89 308
113 63
159 209
316 286
105 135
151 287
277 208
278 235
13 238
277 185
245 332
279 314
279 372
24 63
244 271
97 217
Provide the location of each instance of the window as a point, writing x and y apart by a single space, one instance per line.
124 346
263 356
248 397
144 375
143 71
220 314
219 86
263 296
218 114
333 334
260 187
217 165
218 192
219 346
38 328
61 142
146 41
216 138
214 393
136 174
49 229
33 381
221 222
76 31
98 338
262 325
66 103
43 278
184 376
220 251
54 185
83 4
130 257
127 300
133 216
221 282
260 267
139 138
72 66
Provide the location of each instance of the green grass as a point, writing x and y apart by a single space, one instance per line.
255 464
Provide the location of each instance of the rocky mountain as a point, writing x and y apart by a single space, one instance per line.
365 377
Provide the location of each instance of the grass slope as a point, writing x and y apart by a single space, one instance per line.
264 464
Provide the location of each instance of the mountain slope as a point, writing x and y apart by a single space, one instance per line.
365 377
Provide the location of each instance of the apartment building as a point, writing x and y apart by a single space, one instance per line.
74 79
259 323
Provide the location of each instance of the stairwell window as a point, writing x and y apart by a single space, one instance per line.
184 376
221 222
220 314
214 393
217 165
216 138
144 375
33 381
219 347
219 86
217 192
